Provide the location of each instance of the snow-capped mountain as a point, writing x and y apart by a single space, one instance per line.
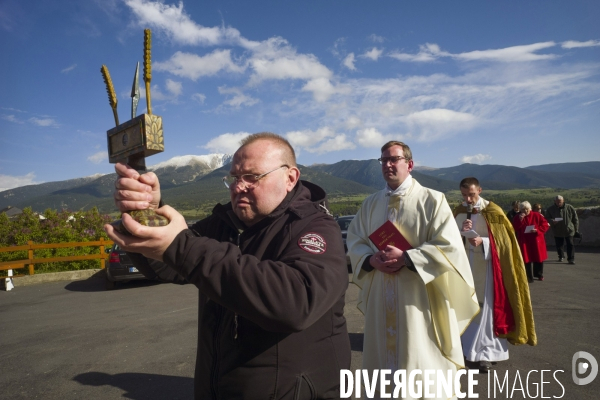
75 193
210 161
183 169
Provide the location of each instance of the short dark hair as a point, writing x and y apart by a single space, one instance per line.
288 153
468 182
516 203
405 148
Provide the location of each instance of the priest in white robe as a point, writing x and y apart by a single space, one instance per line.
416 302
500 281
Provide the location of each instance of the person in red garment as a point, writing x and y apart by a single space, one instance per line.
530 228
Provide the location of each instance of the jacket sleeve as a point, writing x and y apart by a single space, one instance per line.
359 246
518 224
286 294
541 225
155 270
575 219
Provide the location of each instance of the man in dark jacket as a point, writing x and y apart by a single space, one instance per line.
564 223
514 211
271 272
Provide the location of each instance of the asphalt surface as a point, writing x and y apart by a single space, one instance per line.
74 340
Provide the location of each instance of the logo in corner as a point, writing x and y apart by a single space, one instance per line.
581 368
313 243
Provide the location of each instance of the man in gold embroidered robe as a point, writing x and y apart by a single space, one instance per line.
416 302
500 281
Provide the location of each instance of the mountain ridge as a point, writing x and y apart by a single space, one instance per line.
187 181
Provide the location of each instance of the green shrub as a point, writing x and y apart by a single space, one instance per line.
55 227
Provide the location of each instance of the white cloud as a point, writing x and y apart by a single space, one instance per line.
371 137
322 89
572 44
69 69
11 118
309 138
376 39
373 54
510 54
226 143
173 91
275 59
10 182
336 143
271 59
43 122
173 87
192 66
475 159
199 97
12 109
421 57
427 53
322 140
431 52
155 92
435 107
238 99
587 103
435 124
424 108
97 158
337 50
352 122
178 26
349 62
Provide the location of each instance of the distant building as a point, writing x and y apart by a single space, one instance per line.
11 212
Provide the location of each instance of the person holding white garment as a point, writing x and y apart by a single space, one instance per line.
500 281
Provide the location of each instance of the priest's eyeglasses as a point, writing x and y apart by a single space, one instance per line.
392 160
250 181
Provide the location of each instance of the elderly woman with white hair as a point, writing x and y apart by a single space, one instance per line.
530 228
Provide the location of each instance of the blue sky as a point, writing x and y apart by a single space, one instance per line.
491 82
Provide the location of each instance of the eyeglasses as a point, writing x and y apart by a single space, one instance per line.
250 181
393 160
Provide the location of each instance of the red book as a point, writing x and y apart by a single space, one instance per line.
389 234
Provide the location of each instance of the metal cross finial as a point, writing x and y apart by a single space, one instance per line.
135 91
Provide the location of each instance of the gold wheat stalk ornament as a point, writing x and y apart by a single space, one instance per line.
147 66
112 96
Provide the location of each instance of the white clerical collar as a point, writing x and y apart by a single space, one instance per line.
400 190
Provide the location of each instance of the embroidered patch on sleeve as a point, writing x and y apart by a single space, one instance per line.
313 243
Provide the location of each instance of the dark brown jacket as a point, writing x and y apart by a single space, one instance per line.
271 323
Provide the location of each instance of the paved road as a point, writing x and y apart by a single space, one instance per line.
74 340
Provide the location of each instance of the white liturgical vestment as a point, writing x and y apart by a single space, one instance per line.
413 320
479 342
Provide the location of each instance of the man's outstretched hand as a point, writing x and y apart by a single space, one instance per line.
151 242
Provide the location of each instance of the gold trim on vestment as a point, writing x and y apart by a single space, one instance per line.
513 273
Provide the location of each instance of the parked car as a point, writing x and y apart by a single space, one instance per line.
344 222
120 268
